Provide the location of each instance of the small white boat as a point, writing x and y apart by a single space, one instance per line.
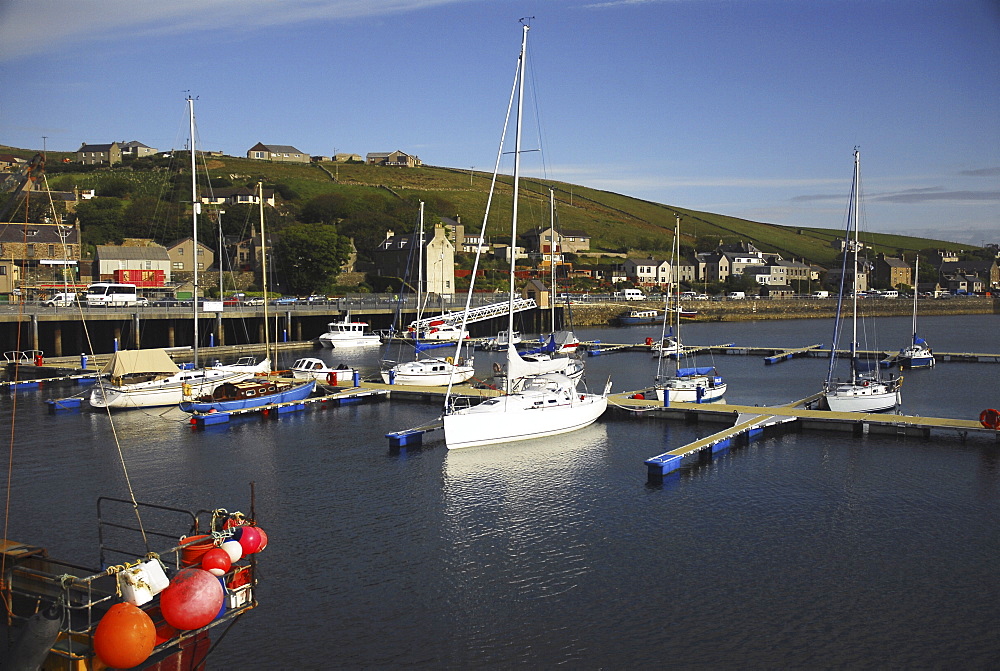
692 385
438 332
311 368
430 372
346 334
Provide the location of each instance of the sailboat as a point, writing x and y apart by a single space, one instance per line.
425 370
148 378
544 404
559 341
261 390
689 384
918 353
865 390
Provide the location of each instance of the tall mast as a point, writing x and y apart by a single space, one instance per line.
854 299
421 294
263 270
552 257
517 174
195 206
674 276
916 272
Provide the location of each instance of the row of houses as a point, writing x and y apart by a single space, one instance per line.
115 152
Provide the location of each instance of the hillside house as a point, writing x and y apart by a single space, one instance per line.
135 149
986 269
396 253
9 162
238 195
395 159
278 153
647 272
889 272
543 241
181 253
99 154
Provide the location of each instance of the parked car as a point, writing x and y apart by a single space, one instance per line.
254 301
285 300
171 302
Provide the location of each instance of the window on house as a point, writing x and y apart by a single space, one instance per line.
30 250
180 251
177 265
52 250
201 266
3 270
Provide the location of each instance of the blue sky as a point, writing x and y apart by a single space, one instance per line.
744 107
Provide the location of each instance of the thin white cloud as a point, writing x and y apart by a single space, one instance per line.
29 26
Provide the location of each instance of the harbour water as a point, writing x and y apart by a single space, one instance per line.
808 550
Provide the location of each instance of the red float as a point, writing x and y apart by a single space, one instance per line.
124 637
249 538
216 561
192 600
990 419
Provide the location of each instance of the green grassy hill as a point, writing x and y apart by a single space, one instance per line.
616 223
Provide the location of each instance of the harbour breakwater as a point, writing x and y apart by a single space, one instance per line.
598 314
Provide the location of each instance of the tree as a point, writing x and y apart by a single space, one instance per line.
325 209
310 256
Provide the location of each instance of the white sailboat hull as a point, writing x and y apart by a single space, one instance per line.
524 415
870 397
684 390
428 373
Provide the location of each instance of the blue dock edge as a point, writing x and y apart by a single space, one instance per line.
408 438
663 464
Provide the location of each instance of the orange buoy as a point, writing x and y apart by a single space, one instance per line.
124 637
990 419
192 600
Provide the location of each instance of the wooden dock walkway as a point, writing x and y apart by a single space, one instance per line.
751 421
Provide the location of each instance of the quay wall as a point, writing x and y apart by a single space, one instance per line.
598 314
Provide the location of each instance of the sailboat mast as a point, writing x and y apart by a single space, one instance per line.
263 270
421 294
195 206
854 298
516 177
552 257
675 278
916 273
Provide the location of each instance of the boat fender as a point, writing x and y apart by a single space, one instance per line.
990 419
449 359
649 342
37 637
331 379
187 389
865 384
497 368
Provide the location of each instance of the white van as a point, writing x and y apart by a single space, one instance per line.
736 295
821 294
62 299
633 295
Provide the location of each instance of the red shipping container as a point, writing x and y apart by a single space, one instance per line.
140 278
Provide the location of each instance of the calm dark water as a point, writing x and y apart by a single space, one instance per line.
808 550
